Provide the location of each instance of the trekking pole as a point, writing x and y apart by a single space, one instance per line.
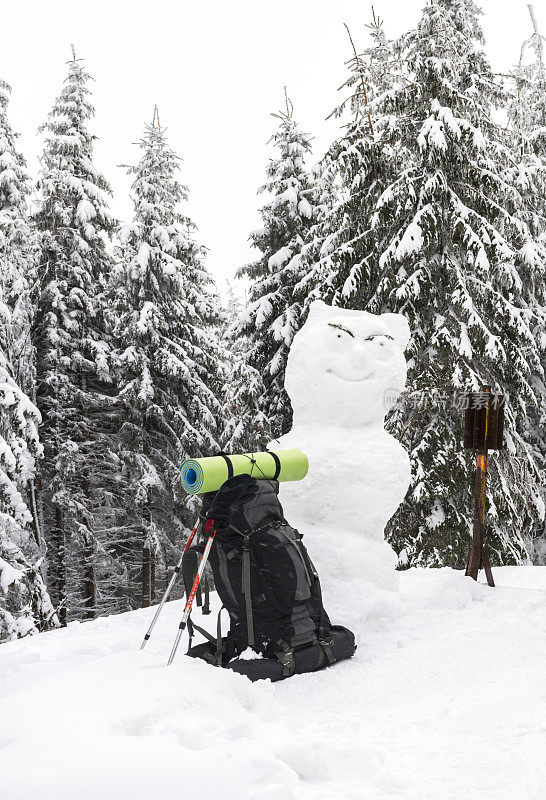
187 610
169 587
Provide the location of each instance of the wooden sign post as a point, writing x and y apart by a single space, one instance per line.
484 421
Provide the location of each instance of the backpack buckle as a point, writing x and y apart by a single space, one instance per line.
326 645
286 657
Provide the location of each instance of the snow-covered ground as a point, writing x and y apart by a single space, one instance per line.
445 698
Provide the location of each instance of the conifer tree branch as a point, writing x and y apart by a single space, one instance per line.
533 18
364 92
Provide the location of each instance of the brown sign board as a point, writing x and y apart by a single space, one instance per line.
484 410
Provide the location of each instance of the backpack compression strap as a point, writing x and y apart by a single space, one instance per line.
247 592
286 657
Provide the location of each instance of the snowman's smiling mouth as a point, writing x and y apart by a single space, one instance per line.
350 380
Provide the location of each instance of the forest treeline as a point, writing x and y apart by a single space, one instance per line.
118 359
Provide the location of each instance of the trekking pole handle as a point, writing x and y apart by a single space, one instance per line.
169 587
187 611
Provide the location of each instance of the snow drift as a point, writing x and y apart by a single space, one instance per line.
445 699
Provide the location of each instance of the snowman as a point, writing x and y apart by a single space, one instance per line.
345 370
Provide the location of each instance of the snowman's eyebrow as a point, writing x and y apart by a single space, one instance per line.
341 328
373 335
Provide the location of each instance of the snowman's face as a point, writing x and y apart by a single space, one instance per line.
355 352
345 366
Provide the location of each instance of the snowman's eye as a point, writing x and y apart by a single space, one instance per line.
341 328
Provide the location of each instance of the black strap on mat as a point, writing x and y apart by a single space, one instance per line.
277 461
227 459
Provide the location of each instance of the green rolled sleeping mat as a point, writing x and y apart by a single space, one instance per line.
200 475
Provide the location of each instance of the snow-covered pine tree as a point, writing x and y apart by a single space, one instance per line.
17 254
25 606
527 116
169 360
72 352
460 262
246 428
274 313
339 260
527 109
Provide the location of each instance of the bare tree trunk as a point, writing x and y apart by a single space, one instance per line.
60 554
146 583
152 577
34 511
89 581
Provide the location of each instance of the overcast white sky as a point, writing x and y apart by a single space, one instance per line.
216 69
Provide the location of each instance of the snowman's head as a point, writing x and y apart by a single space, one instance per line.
346 367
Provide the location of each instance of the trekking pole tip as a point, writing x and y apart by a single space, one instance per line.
173 652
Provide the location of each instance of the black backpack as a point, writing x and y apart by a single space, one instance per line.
271 591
